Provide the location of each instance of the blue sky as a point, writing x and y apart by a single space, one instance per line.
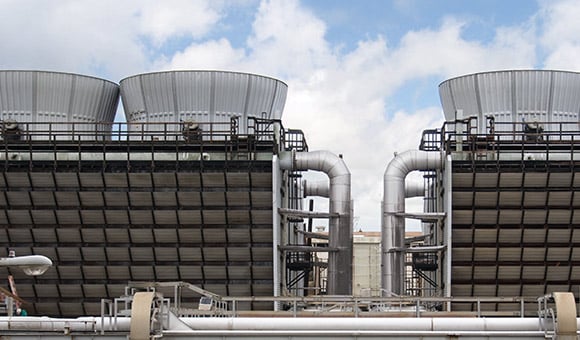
348 21
362 75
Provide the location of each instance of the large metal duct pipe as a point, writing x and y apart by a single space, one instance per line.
395 324
414 188
320 189
395 327
45 324
393 223
340 228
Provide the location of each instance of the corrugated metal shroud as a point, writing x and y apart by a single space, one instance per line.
514 96
42 97
201 96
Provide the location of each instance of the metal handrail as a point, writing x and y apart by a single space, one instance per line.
112 132
395 303
536 137
259 132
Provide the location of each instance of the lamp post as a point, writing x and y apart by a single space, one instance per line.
30 264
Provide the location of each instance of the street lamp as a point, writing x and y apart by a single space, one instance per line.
30 264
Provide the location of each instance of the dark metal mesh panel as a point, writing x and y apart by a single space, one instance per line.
109 222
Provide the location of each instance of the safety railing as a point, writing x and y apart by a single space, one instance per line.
212 305
547 315
187 132
294 140
494 138
354 306
252 134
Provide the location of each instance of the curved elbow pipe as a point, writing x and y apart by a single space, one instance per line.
340 229
393 224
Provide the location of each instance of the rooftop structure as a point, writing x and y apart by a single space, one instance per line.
182 196
501 176
204 197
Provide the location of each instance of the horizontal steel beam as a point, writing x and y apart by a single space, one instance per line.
306 214
308 249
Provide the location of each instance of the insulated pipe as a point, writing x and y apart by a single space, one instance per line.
447 206
393 224
276 237
81 324
425 324
340 228
320 189
401 326
414 188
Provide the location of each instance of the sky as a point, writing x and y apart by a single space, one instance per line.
363 75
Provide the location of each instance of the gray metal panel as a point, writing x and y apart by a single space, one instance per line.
193 95
53 97
532 89
459 94
16 93
202 96
496 95
511 96
565 97
446 97
230 91
38 96
275 98
136 102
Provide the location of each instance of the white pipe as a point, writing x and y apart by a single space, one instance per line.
426 324
340 229
320 189
82 324
356 334
388 325
276 203
448 202
393 225
401 327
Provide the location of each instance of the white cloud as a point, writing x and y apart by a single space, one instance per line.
342 107
344 101
214 54
447 53
288 38
161 20
105 38
340 100
564 57
559 37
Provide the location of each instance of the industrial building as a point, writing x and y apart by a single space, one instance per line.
188 220
501 199
185 190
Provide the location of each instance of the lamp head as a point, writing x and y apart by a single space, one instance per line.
31 264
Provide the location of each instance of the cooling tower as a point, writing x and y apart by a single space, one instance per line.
513 203
200 96
136 207
50 101
514 96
